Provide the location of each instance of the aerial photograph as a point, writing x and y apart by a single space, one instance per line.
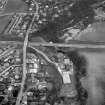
52 52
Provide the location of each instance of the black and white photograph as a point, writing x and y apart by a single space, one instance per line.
52 52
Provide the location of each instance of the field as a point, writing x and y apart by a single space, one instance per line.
98 33
94 81
15 6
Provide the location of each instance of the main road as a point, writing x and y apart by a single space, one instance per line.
73 44
19 98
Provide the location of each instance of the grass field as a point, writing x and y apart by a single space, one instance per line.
3 22
94 81
15 6
97 35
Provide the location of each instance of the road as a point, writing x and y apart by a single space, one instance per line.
81 45
24 57
8 51
71 45
48 59
6 14
7 69
12 13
